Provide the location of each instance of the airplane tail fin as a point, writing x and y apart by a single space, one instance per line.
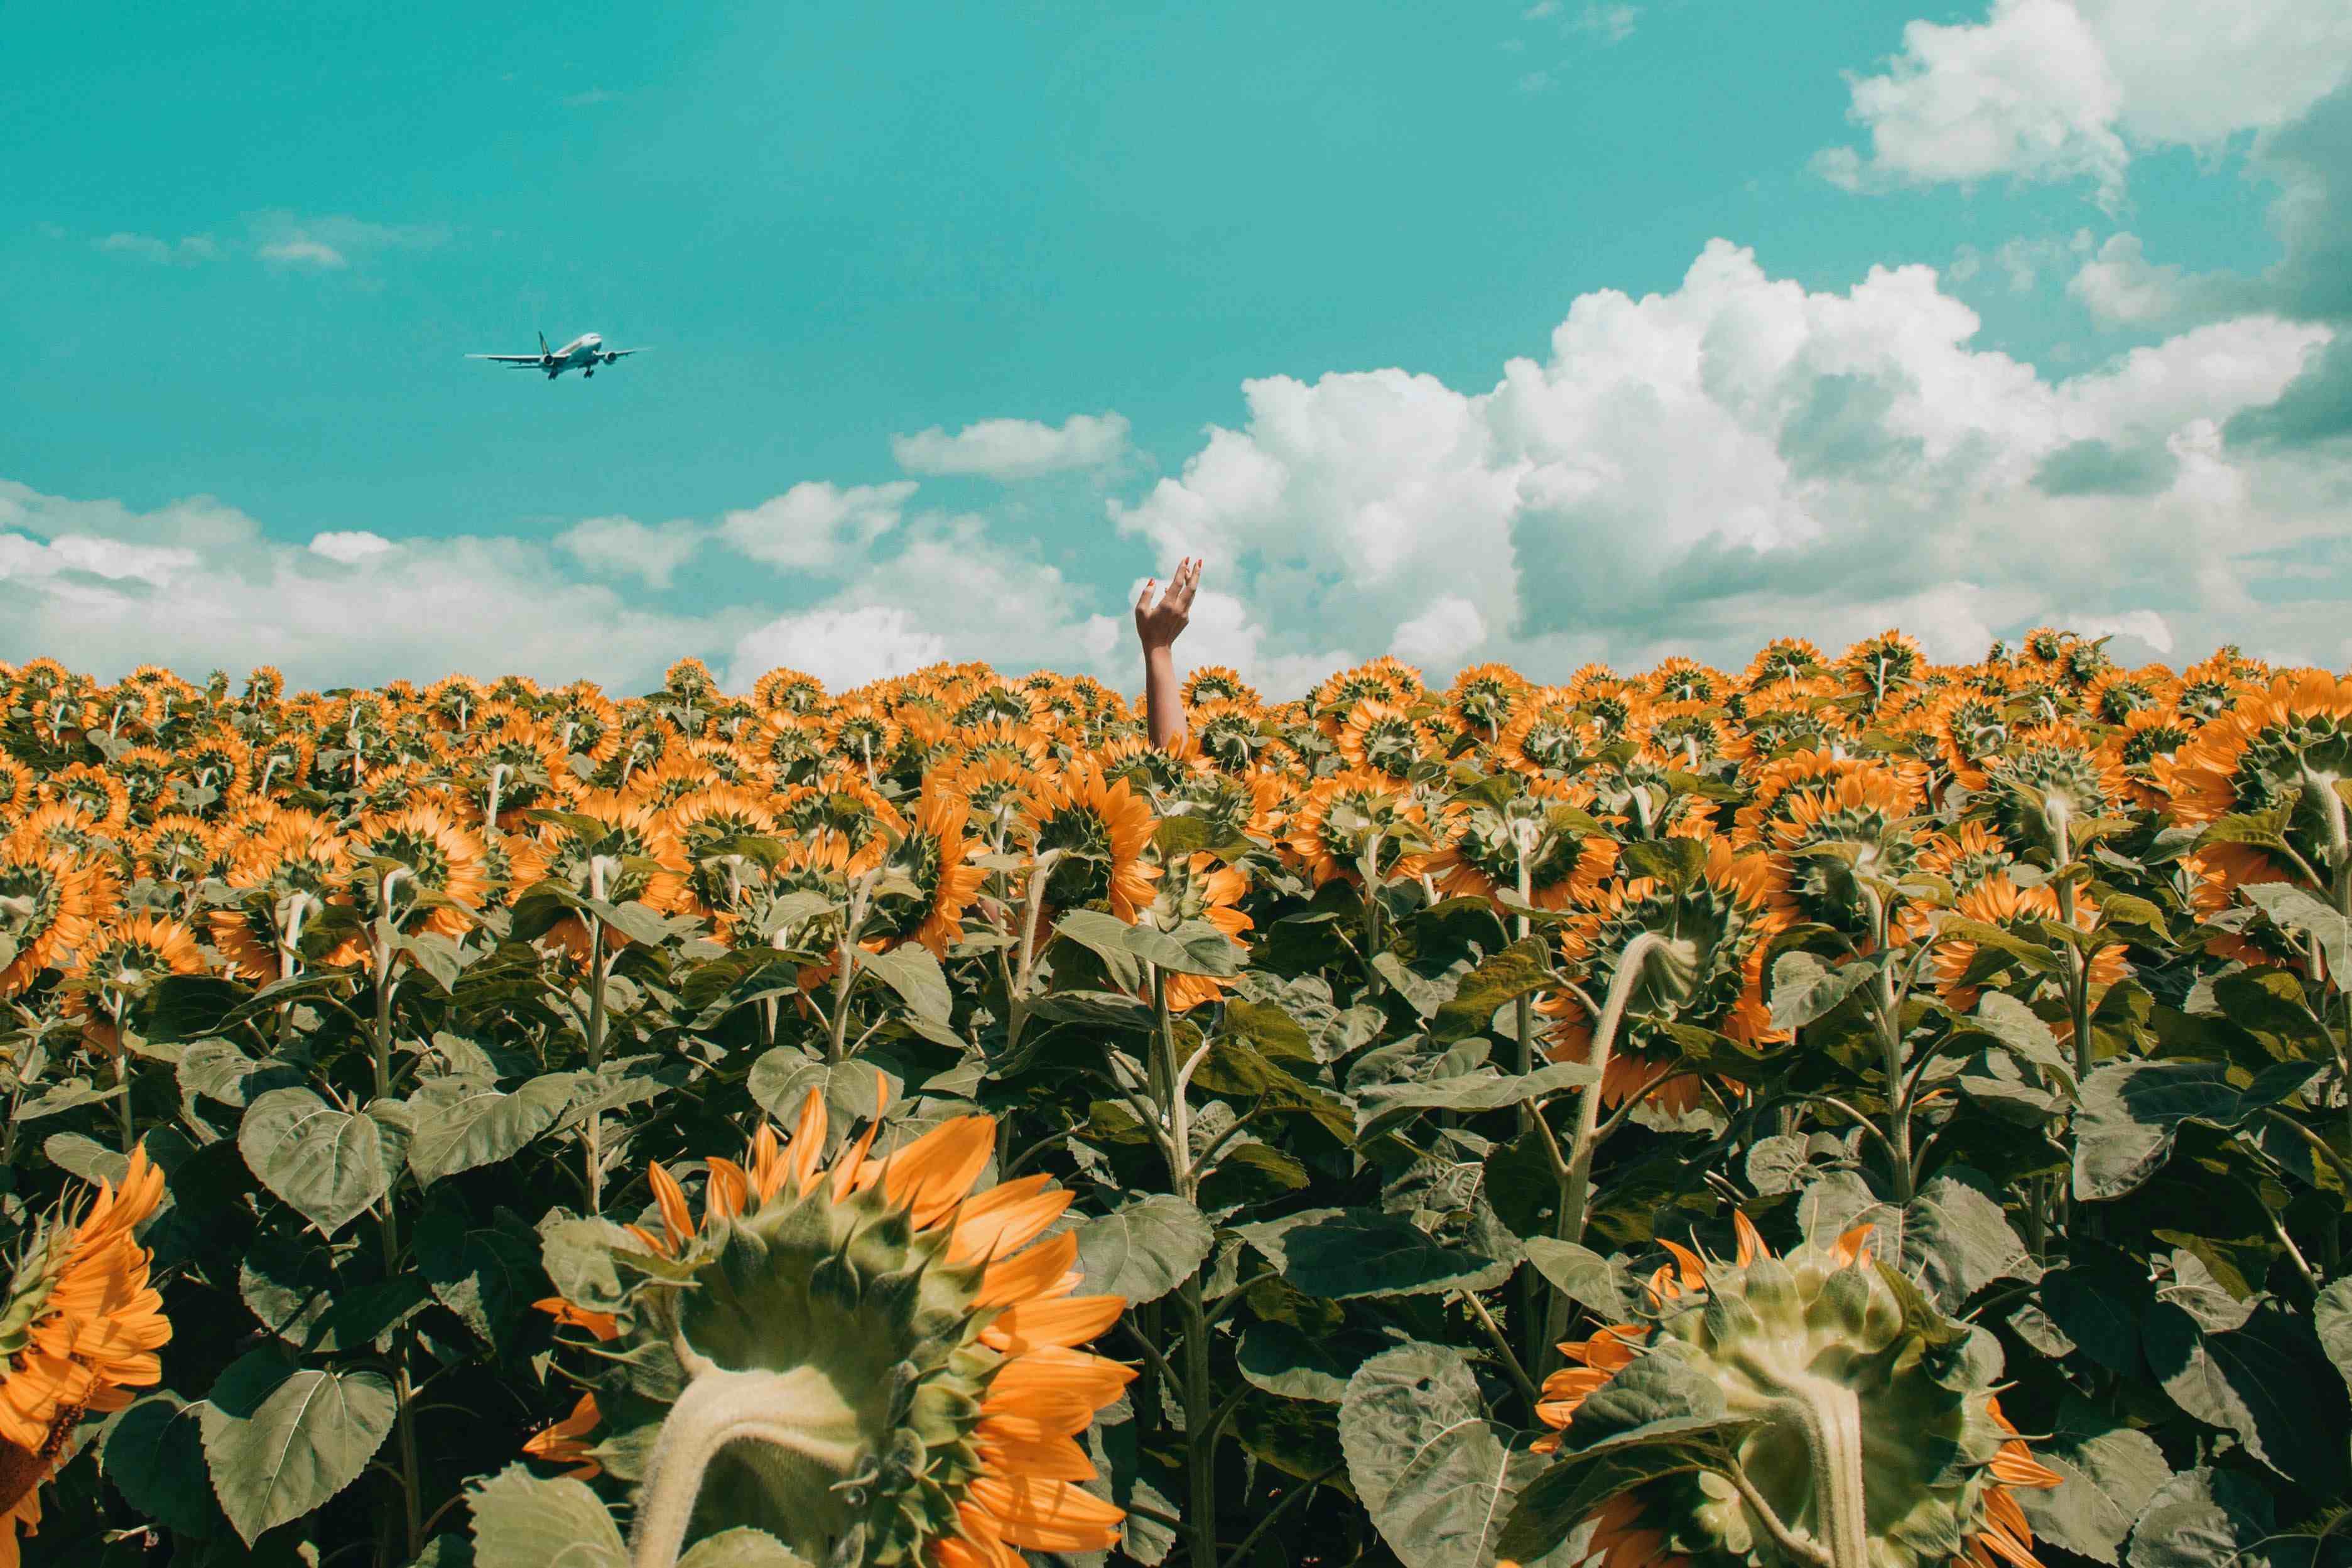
543 349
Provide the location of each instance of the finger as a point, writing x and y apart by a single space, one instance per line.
1143 601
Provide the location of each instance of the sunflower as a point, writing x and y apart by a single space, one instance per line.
782 690
1337 697
437 855
1966 855
585 723
864 1350
47 901
1567 854
112 970
1382 738
1215 683
933 856
701 825
2049 777
1229 734
1878 666
2287 748
1722 920
1843 826
16 787
1683 680
678 776
518 767
842 805
2146 743
2118 694
1929 1459
863 733
1484 698
97 792
1096 831
615 848
1970 727
1546 736
1784 659
1997 901
177 848
1000 791
1335 821
82 1325
1797 714
1685 737
1197 887
282 762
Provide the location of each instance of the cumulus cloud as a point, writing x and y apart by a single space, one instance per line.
817 524
1700 469
2061 89
842 647
196 585
623 547
1442 635
350 547
1015 448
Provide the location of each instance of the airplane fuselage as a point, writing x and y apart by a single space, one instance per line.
583 354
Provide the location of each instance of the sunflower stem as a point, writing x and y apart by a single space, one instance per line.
1576 1185
797 1411
594 1132
1168 1085
125 1117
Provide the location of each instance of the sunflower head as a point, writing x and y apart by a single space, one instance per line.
1865 1417
2050 780
861 1357
2286 748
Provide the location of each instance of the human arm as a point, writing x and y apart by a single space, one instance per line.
1158 625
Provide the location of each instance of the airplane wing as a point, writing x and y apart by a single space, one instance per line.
512 359
616 353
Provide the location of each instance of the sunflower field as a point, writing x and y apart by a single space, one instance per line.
1850 1112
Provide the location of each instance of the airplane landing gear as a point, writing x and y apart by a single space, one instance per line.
585 374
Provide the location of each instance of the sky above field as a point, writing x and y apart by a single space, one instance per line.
1535 333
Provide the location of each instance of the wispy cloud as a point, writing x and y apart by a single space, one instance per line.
186 251
334 242
1015 448
1611 24
589 98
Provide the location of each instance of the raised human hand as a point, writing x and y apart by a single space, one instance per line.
1159 623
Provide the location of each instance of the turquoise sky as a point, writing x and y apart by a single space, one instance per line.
835 222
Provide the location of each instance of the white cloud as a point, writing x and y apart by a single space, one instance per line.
2059 89
195 585
351 546
623 547
186 251
2142 625
1015 448
841 647
1702 469
334 242
2121 288
304 253
817 524
1442 635
1613 23
2026 92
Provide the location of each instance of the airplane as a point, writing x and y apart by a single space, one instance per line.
583 354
